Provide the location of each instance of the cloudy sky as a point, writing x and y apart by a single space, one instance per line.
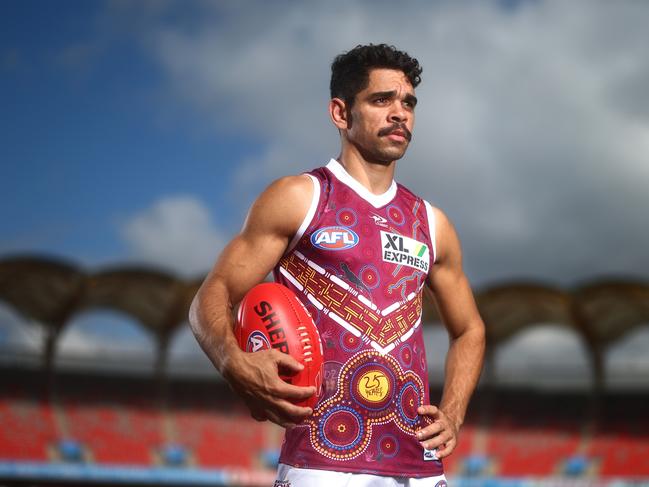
142 131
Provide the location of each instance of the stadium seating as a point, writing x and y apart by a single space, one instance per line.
26 429
524 448
218 439
115 434
621 447
532 434
27 426
118 421
453 463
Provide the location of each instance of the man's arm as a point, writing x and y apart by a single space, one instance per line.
460 315
271 224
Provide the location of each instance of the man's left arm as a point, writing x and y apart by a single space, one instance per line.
466 330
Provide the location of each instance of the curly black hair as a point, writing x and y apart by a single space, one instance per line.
350 71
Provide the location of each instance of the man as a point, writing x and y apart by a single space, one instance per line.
357 249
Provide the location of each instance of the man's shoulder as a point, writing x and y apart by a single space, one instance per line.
438 214
282 205
294 188
407 193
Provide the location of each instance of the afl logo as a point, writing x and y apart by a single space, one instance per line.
257 341
334 238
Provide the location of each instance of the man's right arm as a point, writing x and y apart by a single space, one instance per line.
246 261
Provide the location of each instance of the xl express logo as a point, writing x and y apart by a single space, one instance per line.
334 238
404 251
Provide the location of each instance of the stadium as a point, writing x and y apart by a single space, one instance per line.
67 423
135 135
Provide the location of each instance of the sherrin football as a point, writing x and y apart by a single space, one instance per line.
271 316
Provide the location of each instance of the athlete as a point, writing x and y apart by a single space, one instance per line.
358 250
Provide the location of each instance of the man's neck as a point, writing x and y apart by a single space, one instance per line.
376 177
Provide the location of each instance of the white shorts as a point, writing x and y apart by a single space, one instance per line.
288 476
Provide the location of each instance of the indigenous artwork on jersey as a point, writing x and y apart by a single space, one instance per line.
382 329
359 267
373 390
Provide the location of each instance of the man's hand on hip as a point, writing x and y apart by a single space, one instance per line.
440 434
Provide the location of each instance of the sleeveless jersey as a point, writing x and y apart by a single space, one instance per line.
359 263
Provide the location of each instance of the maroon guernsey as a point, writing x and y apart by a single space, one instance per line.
359 263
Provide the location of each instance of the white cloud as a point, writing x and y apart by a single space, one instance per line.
544 356
78 342
554 357
105 340
175 233
96 340
626 361
186 357
532 130
18 335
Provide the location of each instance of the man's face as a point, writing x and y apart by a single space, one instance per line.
382 116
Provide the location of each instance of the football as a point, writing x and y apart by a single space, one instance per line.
271 316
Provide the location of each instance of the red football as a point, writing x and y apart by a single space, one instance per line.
271 316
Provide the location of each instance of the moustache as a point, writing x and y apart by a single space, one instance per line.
396 127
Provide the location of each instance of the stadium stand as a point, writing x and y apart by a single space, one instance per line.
113 420
27 426
215 428
529 436
112 428
620 441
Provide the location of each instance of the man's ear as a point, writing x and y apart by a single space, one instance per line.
339 114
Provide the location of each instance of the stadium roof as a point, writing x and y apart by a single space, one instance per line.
51 291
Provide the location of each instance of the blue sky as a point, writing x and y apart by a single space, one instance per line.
140 132
88 137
